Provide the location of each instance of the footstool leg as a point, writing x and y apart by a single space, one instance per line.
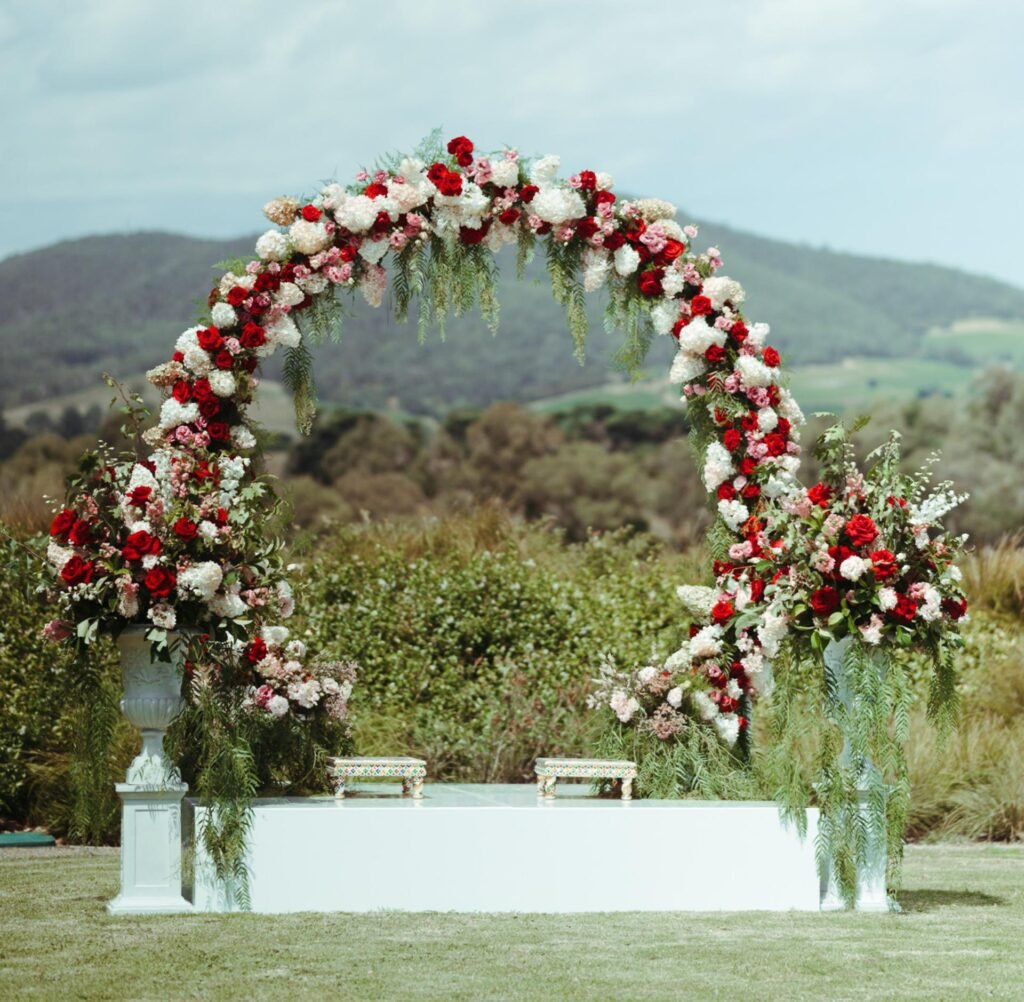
540 786
627 789
417 789
549 787
406 786
339 789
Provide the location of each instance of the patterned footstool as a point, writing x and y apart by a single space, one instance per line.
412 772
550 770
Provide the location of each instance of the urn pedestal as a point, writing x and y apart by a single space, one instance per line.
152 792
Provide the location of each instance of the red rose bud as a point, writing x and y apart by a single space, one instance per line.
743 722
209 339
586 228
451 185
160 581
783 427
186 529
139 496
825 601
63 522
770 357
773 395
714 354
221 517
462 149
224 360
727 704
250 364
182 391
238 295
375 190
266 282
311 213
527 192
677 327
751 491
650 282
747 465
732 439
81 534
700 306
201 389
178 357
77 571
883 564
722 611
820 494
694 630
509 216
894 501
861 530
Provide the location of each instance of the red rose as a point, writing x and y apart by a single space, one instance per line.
185 529
700 306
375 190
739 332
472 235
62 522
722 611
776 443
253 336
209 339
210 408
182 392
586 228
178 357
588 180
751 491
677 327
825 601
756 590
221 518
861 530
218 431
77 571
224 360
160 581
81 534
238 295
527 192
905 609
451 185
613 241
714 354
839 554
256 651
726 492
140 544
462 149
732 439
749 421
347 253
727 704
770 357
954 608
604 197
672 249
894 501
748 465
649 282
201 389
820 494
139 496
266 282
883 564
311 213
250 364
509 216
783 427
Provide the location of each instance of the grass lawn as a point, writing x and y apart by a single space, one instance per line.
961 936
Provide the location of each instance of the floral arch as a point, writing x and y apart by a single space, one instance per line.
174 540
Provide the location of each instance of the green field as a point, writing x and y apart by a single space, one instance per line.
960 937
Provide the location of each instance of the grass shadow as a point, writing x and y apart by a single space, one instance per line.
929 901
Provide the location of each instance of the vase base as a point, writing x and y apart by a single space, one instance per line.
122 905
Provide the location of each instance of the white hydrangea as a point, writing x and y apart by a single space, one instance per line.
767 419
698 335
242 438
272 246
356 213
728 727
853 568
664 315
207 530
757 335
187 339
722 289
229 280
673 282
706 642
295 649
305 694
545 170
597 266
313 284
604 181
58 555
674 697
558 205
223 315
707 709
718 468
197 361
686 367
734 513
626 260
173 414
754 372
283 331
887 599
202 579
679 659
697 599
647 674
162 615
623 705
222 383
930 609
374 250
505 173
773 628
409 194
275 636
228 605
278 706
289 294
307 237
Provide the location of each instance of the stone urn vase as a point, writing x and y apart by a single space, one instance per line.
151 795
151 701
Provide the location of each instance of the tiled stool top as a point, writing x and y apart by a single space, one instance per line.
585 768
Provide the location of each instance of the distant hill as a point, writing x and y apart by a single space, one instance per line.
116 303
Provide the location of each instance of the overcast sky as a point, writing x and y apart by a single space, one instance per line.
889 127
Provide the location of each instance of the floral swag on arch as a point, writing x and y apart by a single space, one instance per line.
174 540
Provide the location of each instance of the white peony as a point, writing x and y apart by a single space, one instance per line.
278 705
242 438
558 205
698 335
706 643
679 659
721 290
289 294
307 237
686 367
229 605
707 709
505 173
664 315
626 260
356 213
283 331
202 579
767 419
597 266
887 599
753 372
173 414
305 694
674 697
728 727
223 315
673 282
273 246
162 615
374 250
545 170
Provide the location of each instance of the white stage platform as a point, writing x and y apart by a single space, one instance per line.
494 848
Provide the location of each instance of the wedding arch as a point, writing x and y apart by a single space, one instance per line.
170 542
